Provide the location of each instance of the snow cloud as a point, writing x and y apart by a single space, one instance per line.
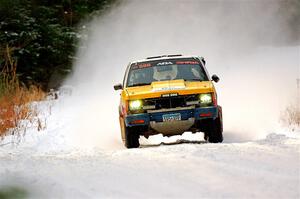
248 44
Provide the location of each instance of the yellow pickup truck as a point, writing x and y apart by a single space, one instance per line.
168 94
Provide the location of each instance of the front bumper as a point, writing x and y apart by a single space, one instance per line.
144 119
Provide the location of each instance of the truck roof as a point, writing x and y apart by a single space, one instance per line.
164 57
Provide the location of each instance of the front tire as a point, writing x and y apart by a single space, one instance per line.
131 138
215 131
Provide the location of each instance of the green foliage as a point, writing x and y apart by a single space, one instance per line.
13 193
43 35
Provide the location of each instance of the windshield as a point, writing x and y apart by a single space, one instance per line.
144 73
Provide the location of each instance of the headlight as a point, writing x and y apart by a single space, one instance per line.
135 105
205 98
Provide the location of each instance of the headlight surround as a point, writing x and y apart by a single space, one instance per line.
205 99
135 105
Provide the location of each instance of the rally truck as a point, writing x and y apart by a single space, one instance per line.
168 95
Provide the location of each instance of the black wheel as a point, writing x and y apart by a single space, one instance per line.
215 131
131 138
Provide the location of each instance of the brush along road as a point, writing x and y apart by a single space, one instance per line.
168 94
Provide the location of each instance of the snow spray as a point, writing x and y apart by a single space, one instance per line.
243 42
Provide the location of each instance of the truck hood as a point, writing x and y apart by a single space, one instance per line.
156 89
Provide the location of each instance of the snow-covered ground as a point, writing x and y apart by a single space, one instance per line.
263 169
46 165
80 155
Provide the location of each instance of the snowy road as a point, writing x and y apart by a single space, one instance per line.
261 169
79 154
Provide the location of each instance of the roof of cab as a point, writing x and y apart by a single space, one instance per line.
164 57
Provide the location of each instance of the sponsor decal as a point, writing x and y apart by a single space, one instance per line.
141 66
169 88
144 65
187 62
169 95
164 63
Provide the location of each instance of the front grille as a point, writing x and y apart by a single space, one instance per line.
170 102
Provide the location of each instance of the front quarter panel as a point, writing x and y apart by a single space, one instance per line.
123 104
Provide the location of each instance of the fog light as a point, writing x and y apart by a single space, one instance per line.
205 114
137 122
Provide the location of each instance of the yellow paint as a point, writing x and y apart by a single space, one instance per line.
156 89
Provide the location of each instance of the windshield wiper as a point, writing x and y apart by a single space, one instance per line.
139 84
191 80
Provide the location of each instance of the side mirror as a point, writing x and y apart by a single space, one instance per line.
215 78
118 87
